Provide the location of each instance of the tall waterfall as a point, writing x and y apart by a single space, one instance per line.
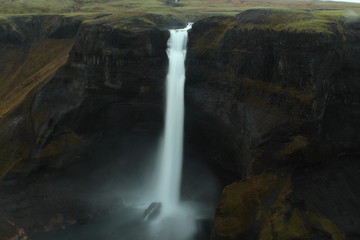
170 166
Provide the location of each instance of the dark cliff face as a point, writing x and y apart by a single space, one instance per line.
288 95
273 105
104 102
84 136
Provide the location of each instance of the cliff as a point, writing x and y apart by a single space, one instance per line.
74 90
287 93
272 104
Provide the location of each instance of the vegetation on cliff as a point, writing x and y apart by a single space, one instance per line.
263 202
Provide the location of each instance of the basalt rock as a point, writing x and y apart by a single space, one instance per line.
272 100
284 88
153 211
98 97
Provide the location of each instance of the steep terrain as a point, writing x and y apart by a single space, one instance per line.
289 95
272 102
79 94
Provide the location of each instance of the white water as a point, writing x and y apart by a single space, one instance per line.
170 167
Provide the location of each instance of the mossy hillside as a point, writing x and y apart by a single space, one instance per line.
28 56
37 6
27 61
137 21
209 39
192 9
263 201
279 16
23 71
291 20
346 15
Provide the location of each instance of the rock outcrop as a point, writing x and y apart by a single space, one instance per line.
284 86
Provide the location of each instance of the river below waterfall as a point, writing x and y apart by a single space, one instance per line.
127 224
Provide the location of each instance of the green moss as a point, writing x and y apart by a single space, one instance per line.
262 201
291 20
189 9
346 15
208 43
236 211
313 26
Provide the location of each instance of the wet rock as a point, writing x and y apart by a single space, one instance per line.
153 211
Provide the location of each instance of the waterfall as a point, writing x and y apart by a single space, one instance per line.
170 165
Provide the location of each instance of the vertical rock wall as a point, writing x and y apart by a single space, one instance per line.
286 88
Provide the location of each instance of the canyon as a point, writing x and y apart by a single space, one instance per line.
272 112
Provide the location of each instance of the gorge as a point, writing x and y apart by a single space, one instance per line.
271 134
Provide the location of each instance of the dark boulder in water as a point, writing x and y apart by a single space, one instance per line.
153 211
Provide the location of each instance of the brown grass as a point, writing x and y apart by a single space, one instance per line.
25 71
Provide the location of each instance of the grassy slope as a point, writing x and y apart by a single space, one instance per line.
32 68
185 7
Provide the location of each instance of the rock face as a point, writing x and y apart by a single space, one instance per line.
153 211
272 101
104 97
284 88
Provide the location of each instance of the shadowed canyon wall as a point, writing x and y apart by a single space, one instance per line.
289 97
107 88
273 105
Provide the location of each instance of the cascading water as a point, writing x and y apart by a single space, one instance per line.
170 219
170 166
